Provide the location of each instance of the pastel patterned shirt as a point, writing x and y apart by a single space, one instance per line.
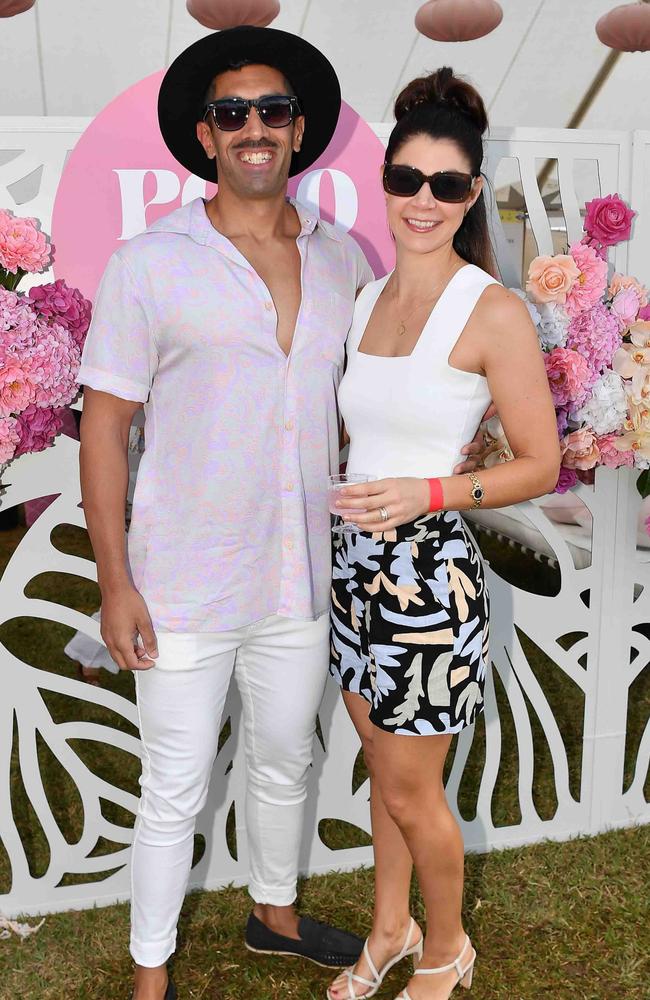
229 522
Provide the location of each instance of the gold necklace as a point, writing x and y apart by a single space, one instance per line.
401 329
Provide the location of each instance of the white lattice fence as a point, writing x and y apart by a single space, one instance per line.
603 605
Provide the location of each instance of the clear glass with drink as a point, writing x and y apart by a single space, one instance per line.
334 486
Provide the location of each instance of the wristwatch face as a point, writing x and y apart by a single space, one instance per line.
477 493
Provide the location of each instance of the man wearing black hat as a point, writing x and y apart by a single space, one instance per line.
227 320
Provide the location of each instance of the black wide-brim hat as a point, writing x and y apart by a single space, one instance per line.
184 86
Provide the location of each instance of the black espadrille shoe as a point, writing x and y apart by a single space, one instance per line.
320 943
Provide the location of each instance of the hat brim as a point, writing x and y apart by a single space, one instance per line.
182 92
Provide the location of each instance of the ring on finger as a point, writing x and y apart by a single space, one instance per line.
384 513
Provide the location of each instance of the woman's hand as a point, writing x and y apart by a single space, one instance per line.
404 499
473 451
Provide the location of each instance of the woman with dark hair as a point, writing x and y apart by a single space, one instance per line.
430 345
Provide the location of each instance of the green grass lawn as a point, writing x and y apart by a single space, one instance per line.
565 920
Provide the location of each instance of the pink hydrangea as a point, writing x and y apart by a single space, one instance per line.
23 247
608 220
38 426
592 282
54 364
595 335
59 303
625 308
567 480
610 455
18 323
562 418
569 375
9 438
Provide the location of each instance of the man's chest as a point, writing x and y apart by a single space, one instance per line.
217 312
279 269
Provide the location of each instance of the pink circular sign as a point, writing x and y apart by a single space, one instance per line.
120 178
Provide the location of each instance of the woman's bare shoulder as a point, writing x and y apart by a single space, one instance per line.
500 311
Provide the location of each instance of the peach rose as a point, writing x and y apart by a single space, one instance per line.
580 450
550 279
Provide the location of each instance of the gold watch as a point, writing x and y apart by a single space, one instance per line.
477 492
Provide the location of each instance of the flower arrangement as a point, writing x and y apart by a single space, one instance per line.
595 333
41 337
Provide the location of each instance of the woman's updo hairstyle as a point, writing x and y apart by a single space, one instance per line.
443 106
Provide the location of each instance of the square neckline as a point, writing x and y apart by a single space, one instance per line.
400 357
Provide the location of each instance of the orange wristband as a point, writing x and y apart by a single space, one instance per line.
436 499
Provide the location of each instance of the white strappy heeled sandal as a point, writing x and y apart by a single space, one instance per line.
378 976
465 973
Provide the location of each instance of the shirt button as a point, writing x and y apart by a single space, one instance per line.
268 306
289 487
289 544
289 425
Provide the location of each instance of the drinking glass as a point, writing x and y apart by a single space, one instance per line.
334 485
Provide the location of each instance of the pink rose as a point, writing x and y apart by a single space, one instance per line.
570 377
592 282
9 438
17 389
644 313
625 307
608 220
625 281
580 450
23 247
610 455
38 426
550 279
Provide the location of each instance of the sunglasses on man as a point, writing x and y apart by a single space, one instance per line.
446 185
231 113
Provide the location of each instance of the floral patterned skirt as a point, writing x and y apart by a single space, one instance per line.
410 624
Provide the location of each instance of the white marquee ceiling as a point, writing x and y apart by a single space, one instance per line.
70 57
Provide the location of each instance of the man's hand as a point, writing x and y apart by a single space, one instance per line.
124 617
474 448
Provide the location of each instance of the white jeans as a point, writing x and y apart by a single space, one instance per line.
280 666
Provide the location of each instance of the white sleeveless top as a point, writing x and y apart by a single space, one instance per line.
410 416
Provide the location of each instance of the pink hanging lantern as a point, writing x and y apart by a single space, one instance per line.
458 20
9 8
626 28
220 14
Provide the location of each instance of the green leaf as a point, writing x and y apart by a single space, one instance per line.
11 281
